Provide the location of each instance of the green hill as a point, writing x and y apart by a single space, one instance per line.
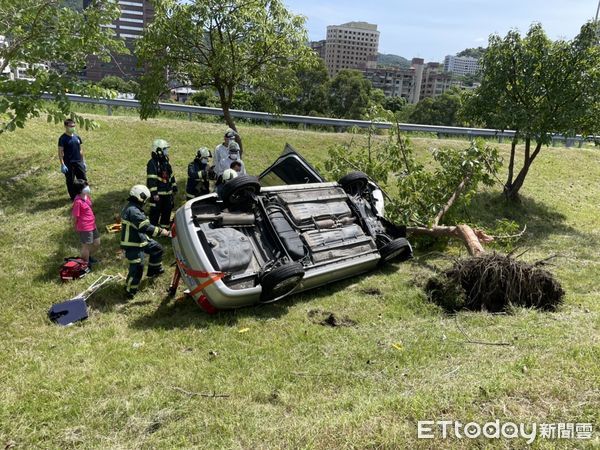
390 60
157 374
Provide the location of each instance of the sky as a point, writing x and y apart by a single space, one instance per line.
431 29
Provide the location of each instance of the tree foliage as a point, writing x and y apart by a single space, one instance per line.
422 193
351 95
53 41
440 110
119 84
537 87
474 52
224 45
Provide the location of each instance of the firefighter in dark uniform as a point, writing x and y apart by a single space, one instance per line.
135 229
199 174
162 184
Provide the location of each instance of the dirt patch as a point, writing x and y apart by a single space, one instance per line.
329 319
495 282
370 291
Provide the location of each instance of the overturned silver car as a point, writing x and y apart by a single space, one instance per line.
286 231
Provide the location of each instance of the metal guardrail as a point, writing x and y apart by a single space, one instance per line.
319 121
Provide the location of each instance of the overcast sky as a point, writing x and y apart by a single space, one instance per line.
431 29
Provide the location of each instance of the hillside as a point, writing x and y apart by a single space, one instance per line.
157 374
390 60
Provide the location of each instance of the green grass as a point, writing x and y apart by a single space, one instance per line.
119 380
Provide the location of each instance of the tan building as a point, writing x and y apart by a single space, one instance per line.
352 45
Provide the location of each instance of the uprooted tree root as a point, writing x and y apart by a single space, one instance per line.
495 282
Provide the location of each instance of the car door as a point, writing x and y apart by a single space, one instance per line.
290 168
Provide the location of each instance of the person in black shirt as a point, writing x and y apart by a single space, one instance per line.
70 154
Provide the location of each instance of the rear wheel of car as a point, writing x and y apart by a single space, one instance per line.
280 281
238 190
398 249
354 183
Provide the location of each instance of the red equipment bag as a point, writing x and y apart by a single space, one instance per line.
73 268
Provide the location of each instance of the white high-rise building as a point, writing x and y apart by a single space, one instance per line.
461 65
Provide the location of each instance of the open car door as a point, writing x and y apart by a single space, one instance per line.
290 168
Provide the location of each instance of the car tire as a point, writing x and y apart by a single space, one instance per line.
354 182
398 249
280 281
235 192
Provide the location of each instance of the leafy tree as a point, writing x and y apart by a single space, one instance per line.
54 42
312 97
394 104
476 52
537 87
225 45
204 97
351 95
119 84
421 195
440 110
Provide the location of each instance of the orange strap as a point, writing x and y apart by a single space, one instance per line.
212 276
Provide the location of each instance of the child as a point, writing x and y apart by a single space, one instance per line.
84 221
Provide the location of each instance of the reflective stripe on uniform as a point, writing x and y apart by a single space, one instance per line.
190 196
134 244
144 222
131 224
151 176
135 261
154 188
156 231
155 264
165 192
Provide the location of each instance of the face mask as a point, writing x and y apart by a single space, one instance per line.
71 129
233 156
165 152
203 160
86 190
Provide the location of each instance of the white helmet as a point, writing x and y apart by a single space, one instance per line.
233 147
203 152
159 144
229 174
140 193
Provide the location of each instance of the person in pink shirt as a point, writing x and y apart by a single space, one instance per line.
84 221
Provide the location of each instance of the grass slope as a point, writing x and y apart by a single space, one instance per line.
129 376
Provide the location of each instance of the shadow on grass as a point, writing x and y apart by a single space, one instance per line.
172 314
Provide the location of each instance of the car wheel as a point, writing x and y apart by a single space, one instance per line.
237 191
398 249
280 281
354 183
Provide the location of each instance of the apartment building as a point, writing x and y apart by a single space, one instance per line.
394 82
352 45
135 15
461 65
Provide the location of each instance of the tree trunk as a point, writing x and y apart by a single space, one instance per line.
225 100
511 163
511 191
470 237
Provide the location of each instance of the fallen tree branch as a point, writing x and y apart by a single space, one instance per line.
512 236
472 238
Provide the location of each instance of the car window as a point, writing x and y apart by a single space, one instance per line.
288 170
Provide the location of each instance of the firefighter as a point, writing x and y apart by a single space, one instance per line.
199 173
228 175
162 184
135 229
